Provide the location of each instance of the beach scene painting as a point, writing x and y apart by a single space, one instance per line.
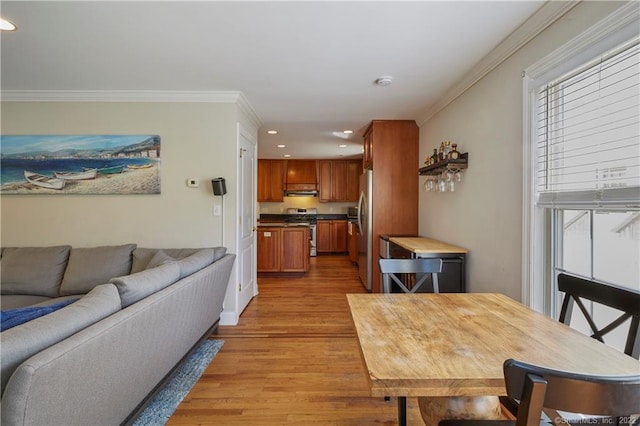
79 164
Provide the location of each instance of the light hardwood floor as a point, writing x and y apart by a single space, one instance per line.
292 359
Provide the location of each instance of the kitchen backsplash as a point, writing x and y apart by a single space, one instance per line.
302 203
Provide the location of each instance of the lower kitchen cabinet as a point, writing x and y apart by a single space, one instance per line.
352 242
282 249
331 236
295 250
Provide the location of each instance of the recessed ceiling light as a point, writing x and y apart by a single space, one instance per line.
347 132
287 155
342 146
6 25
281 146
384 81
272 132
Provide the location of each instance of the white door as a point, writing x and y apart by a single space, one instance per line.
246 259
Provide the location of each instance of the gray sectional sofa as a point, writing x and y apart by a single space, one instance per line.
125 319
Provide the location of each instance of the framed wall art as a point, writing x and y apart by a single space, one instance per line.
80 164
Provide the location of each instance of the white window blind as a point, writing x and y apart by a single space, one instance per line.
588 134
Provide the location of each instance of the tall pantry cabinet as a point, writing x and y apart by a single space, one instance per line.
391 151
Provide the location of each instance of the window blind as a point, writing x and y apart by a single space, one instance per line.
588 134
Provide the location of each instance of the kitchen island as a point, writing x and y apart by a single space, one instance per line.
283 248
452 279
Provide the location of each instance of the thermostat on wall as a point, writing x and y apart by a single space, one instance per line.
193 183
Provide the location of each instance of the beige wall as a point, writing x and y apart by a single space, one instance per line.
485 213
196 140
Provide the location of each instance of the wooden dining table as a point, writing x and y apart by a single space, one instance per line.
454 344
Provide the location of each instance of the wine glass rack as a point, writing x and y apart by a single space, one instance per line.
441 166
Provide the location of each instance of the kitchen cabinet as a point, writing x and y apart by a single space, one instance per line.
331 236
283 249
271 180
393 158
354 170
302 175
352 241
295 249
367 148
268 244
339 180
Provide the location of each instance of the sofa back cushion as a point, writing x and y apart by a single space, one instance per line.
142 256
137 286
195 262
21 342
36 271
89 267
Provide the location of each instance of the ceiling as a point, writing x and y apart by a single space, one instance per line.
306 68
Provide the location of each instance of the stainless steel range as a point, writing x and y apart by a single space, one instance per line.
305 217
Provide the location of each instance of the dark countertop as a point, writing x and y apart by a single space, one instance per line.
280 225
332 216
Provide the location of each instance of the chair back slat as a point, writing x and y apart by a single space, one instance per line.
615 396
391 267
625 300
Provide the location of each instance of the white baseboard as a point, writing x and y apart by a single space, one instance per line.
229 318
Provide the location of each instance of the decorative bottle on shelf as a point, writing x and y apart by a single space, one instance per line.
441 152
454 154
447 149
434 157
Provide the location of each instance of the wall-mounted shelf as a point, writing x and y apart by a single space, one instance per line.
441 166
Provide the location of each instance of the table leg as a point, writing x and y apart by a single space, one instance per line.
402 411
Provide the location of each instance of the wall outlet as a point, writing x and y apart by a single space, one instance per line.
217 211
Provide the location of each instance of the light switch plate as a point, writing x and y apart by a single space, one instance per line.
193 183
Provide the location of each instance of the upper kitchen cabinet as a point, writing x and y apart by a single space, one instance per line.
271 180
301 175
339 180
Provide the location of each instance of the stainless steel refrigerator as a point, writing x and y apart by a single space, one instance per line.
365 229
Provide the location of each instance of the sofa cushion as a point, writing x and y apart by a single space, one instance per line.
13 317
142 256
218 253
158 259
195 262
36 271
21 342
12 301
137 286
89 267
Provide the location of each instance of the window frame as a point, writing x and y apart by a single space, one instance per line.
540 227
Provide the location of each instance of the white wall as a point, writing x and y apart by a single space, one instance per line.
484 215
198 140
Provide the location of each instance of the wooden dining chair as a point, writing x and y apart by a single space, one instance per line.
538 387
390 268
577 292
626 301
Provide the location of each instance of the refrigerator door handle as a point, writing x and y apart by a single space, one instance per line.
361 202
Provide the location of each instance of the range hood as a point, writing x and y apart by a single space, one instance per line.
302 178
301 193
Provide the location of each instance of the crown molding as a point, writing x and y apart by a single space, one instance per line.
245 107
231 97
550 12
